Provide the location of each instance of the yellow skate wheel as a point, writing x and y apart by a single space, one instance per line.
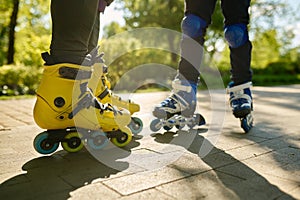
72 142
123 137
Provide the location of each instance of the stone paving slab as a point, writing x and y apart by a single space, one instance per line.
204 163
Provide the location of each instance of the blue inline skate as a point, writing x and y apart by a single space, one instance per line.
178 109
241 103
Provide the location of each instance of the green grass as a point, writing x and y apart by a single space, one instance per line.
280 79
17 97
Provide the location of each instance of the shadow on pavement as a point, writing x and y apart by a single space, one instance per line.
250 184
55 176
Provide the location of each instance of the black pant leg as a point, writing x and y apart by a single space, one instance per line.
192 49
235 12
94 37
202 8
72 27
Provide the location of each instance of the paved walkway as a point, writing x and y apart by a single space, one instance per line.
204 163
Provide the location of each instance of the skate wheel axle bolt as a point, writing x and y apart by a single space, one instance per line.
59 102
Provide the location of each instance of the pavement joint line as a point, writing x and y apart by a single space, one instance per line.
22 112
19 120
111 188
256 156
287 179
228 164
260 142
282 195
193 174
290 146
5 129
161 153
189 175
143 148
267 137
153 187
231 175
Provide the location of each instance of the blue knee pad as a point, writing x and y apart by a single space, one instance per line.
236 35
193 26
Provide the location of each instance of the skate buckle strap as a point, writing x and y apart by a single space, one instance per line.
89 100
104 93
241 96
84 102
177 86
183 104
238 87
238 92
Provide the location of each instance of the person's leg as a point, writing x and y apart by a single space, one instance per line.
194 24
94 37
72 26
183 99
236 33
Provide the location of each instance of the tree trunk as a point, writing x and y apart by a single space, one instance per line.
11 36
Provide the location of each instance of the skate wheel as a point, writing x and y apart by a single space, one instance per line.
123 137
155 125
200 120
247 123
179 127
72 142
167 128
43 144
136 125
169 125
97 140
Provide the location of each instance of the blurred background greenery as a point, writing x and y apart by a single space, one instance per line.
25 32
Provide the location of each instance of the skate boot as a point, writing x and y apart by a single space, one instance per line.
178 109
241 103
67 107
105 95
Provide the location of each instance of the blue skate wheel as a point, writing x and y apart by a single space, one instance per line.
167 128
43 144
200 120
136 125
247 123
97 140
155 125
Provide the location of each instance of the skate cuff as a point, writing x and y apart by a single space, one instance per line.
238 87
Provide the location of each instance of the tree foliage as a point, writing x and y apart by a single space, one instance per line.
31 32
272 31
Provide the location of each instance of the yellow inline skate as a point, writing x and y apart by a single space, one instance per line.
105 95
67 107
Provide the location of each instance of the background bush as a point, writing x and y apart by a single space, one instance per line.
19 80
